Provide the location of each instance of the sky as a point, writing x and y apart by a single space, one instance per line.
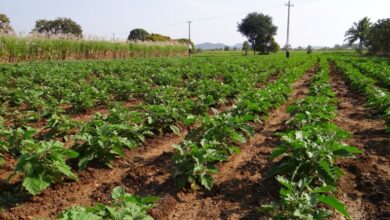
313 22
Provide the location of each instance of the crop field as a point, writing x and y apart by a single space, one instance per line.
210 137
17 49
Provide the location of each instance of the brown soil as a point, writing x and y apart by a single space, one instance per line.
365 187
239 187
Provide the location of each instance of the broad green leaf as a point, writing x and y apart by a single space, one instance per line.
235 149
206 181
285 182
238 138
175 129
72 154
150 199
190 120
79 213
348 150
324 189
277 152
334 203
35 185
118 150
65 169
325 166
83 162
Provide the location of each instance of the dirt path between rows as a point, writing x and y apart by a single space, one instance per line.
239 186
365 187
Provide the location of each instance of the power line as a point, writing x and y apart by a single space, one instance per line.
220 16
170 26
211 18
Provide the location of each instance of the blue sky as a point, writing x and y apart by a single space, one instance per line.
314 22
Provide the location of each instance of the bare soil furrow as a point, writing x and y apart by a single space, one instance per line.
365 187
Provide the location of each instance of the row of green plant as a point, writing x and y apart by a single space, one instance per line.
380 71
16 49
216 138
306 157
42 156
32 91
378 98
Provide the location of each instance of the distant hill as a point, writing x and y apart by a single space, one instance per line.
210 46
214 46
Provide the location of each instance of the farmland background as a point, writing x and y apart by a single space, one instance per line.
16 49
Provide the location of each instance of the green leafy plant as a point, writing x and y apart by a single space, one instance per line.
3 143
44 163
196 164
162 118
312 151
123 206
103 139
300 201
16 136
308 154
218 137
83 98
60 125
213 141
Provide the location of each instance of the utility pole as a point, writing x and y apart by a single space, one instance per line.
289 5
113 36
189 38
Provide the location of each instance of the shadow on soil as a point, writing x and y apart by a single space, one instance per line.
12 195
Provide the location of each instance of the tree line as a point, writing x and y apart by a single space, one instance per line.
374 37
68 27
256 27
140 34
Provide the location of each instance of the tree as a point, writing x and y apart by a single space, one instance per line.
138 34
5 26
226 48
358 31
309 49
272 46
246 47
259 30
64 26
378 38
157 38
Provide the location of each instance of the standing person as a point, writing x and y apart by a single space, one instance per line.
189 49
